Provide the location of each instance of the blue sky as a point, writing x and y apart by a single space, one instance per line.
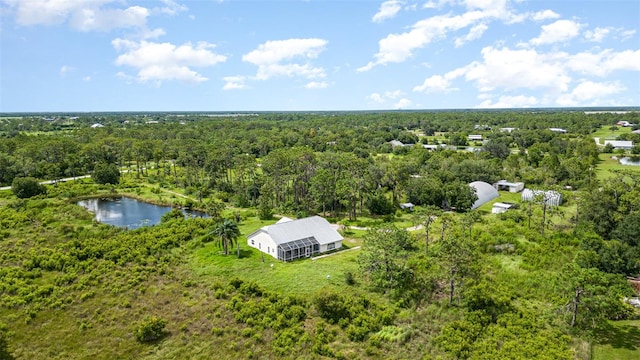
226 55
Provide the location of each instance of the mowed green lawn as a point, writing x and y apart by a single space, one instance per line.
607 165
621 341
605 133
303 276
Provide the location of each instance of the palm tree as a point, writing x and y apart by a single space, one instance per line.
228 233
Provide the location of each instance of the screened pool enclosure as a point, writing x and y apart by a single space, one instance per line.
297 249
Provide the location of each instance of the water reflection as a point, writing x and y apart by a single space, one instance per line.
634 161
128 212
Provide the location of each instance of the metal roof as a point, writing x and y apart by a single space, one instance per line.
312 227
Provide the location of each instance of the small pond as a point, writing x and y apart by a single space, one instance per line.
128 212
634 161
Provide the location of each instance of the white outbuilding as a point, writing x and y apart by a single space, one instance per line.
485 193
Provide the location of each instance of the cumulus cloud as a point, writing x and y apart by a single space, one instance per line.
234 83
395 97
506 70
171 7
396 48
475 33
403 104
544 15
273 52
285 58
597 34
517 101
604 62
165 61
91 15
388 10
588 92
559 31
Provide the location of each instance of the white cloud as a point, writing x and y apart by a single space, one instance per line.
288 58
396 96
604 62
513 69
518 101
388 9
396 48
403 104
545 15
90 15
275 51
475 33
559 31
590 93
166 61
316 85
626 34
234 83
65 69
375 97
86 78
434 84
597 34
172 8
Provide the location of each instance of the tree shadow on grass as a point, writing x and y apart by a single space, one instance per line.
619 336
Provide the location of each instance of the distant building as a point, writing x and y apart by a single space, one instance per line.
500 207
508 129
293 239
474 137
511 187
625 123
407 206
620 144
485 193
558 130
97 125
550 197
396 143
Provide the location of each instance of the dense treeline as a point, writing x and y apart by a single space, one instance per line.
530 283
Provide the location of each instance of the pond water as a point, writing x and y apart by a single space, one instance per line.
128 212
630 161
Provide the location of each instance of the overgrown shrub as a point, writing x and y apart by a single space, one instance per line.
151 328
26 187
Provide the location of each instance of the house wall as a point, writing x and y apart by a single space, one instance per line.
327 247
263 242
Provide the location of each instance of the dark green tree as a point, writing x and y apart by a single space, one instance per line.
26 187
104 173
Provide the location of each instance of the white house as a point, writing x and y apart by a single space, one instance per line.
293 239
97 125
474 137
620 144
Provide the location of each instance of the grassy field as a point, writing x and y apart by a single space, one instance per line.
619 341
605 133
608 165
